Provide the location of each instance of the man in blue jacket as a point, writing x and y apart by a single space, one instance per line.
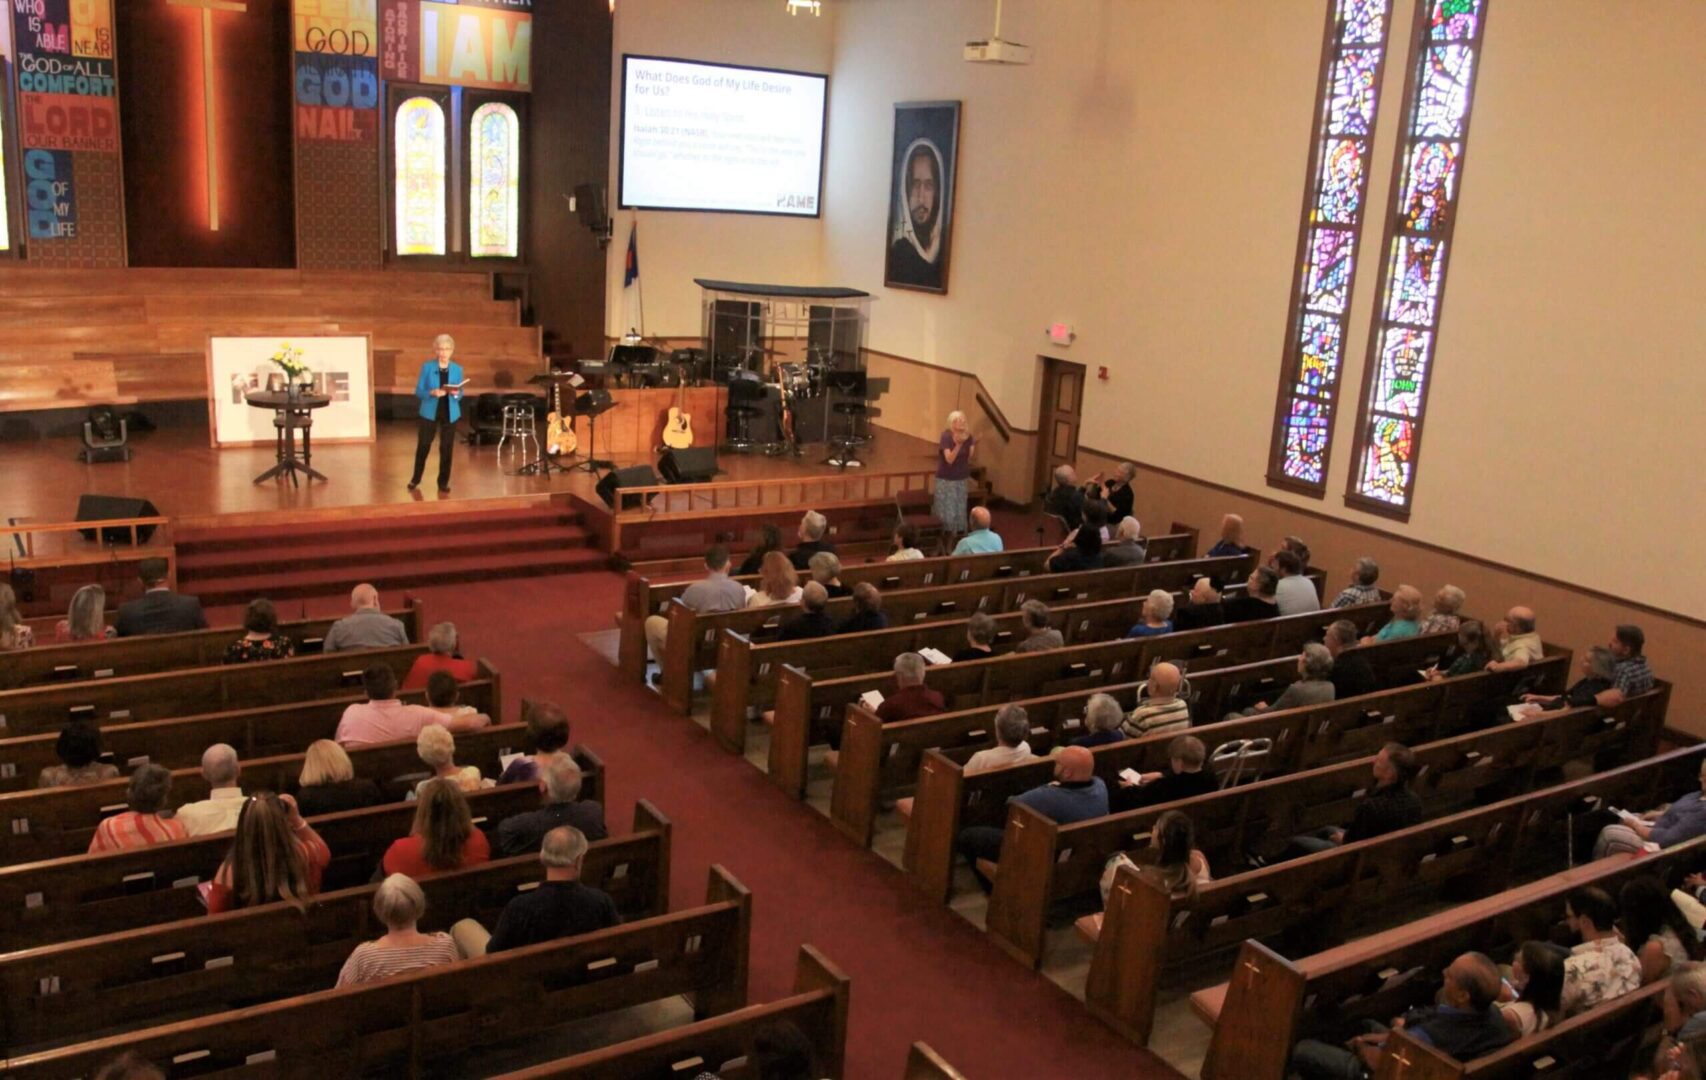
440 395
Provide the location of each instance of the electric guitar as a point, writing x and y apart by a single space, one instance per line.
678 429
559 426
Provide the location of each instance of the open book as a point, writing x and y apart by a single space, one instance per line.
871 699
935 656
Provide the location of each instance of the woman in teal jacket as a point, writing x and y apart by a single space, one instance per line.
441 407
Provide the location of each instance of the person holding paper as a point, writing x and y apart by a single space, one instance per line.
439 390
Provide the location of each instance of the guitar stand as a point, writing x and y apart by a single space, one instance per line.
544 465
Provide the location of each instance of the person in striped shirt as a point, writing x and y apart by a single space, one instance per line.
1163 709
141 825
399 904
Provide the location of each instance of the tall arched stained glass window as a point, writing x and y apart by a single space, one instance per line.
420 186
1352 61
494 182
1418 247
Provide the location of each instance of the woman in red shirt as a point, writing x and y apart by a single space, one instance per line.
443 836
440 656
275 855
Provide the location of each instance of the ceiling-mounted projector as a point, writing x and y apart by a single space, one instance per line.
996 51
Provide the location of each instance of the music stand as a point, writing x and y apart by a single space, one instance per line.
553 381
592 405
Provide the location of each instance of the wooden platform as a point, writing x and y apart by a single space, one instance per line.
199 486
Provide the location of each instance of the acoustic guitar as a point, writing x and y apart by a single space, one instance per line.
559 425
678 428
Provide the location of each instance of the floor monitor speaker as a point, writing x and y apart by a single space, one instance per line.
694 465
112 508
631 477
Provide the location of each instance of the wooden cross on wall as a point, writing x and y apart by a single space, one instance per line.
208 7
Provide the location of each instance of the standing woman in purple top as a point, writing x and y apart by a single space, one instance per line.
953 470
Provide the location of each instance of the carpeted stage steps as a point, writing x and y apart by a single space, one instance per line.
233 565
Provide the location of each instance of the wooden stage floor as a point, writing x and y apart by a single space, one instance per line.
197 485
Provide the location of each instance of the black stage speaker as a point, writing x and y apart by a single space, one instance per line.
632 476
113 507
694 465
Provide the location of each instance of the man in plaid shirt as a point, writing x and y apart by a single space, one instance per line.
1632 675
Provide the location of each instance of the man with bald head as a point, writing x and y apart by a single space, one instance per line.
365 627
1076 794
1518 642
981 540
1065 499
1465 1024
1159 707
218 812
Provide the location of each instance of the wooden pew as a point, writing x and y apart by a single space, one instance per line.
1272 1002
84 895
749 671
818 1007
213 963
52 823
643 596
809 710
692 644
426 1019
924 1063
191 690
263 732
1144 936
164 652
1611 1039
1043 863
947 800
880 759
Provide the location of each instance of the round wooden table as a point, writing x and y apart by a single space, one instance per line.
289 414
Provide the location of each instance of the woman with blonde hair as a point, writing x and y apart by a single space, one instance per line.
442 838
87 618
15 633
954 451
399 903
437 749
275 855
778 583
329 784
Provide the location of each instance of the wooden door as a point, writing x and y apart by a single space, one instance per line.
1057 424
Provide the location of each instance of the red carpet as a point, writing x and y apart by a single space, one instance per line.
919 971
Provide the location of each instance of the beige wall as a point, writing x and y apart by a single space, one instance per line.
1143 179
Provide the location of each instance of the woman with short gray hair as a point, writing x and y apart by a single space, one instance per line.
1102 719
1157 615
1012 730
1313 687
1446 616
953 474
443 654
141 825
399 904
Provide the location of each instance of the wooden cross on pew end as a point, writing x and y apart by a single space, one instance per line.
208 7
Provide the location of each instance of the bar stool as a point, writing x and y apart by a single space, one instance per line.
518 432
285 424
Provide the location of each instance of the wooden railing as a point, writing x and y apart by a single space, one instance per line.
683 501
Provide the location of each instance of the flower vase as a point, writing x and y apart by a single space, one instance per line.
293 391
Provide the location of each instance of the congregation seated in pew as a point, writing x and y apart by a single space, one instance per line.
142 823
219 811
366 626
442 837
328 783
15 633
1406 616
1352 675
1470 654
813 526
261 640
436 747
1127 547
1447 613
547 733
825 569
1602 966
1104 722
275 855
769 539
78 748
1465 1023
560 785
1040 634
159 610
383 717
1185 777
981 539
1012 730
561 906
1683 820
1362 589
1081 550
1257 600
1157 615
1231 540
399 904
1075 794
905 543
1532 998
1171 859
980 638
778 583
1313 687
1202 607
1516 640
911 698
716 591
86 620
867 613
813 621
1654 928
1161 706
1391 806
443 654
1294 594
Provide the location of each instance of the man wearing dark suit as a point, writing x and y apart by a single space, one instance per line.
160 611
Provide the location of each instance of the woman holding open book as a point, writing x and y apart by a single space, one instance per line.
439 390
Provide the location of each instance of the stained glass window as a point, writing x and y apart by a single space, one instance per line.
1346 109
1418 245
420 185
494 182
